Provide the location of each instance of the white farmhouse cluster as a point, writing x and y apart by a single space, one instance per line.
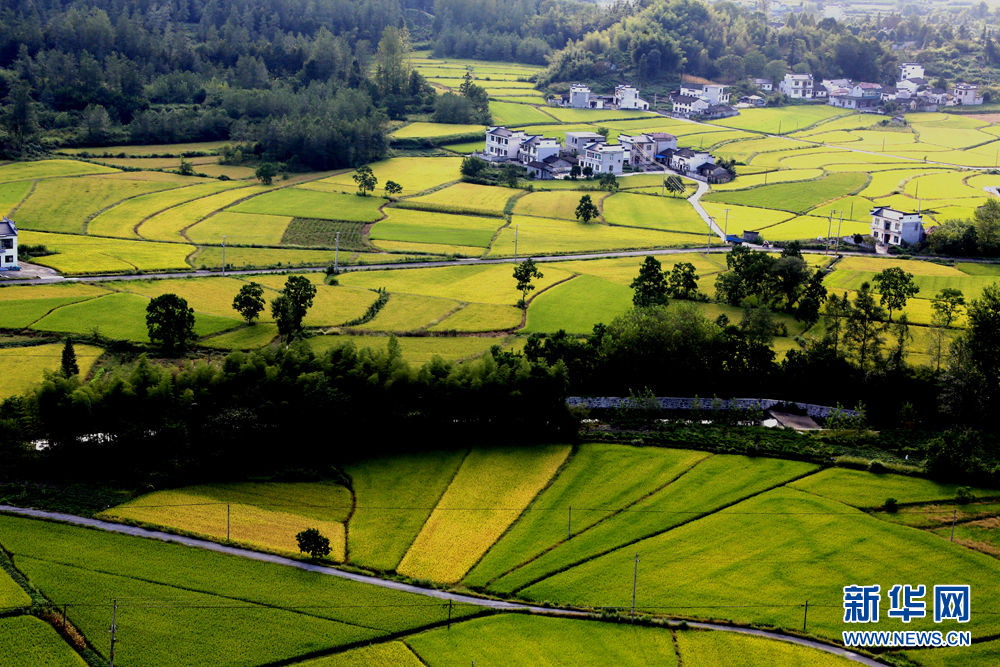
625 97
705 100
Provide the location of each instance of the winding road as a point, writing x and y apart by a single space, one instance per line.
499 605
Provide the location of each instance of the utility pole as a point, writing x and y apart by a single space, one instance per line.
450 602
227 522
635 579
336 253
837 251
726 231
829 230
223 254
805 616
569 525
114 627
954 517
708 251
515 244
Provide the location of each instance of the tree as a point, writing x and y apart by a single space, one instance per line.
365 179
986 221
683 280
96 124
313 543
895 287
731 67
20 117
69 365
947 306
588 171
651 285
838 311
170 322
754 64
865 329
186 169
812 299
392 188
266 172
249 302
575 171
586 210
466 83
301 292
509 175
472 166
674 185
609 182
983 333
523 274
392 66
901 338
283 313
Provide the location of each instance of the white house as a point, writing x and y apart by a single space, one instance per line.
602 158
536 148
686 105
503 143
910 71
892 227
643 148
576 141
8 244
912 84
860 95
686 160
627 97
798 86
714 93
580 97
965 93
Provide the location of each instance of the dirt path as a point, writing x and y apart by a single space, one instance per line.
499 605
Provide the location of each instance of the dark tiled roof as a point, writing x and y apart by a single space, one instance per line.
7 227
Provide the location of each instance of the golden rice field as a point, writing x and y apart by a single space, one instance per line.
25 367
489 492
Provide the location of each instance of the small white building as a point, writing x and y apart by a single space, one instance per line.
536 148
577 141
910 71
602 158
911 85
687 106
713 93
797 86
968 94
8 245
764 85
627 97
685 160
580 97
503 143
892 227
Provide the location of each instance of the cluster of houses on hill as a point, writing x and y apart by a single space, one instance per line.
581 97
912 91
546 158
704 100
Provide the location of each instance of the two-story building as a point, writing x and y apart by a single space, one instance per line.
577 141
891 227
627 97
911 85
797 86
8 245
859 96
686 106
965 93
602 158
764 85
535 148
713 93
503 144
910 71
687 161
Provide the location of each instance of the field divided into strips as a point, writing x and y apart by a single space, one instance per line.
784 120
709 649
25 366
421 130
812 227
242 257
672 214
121 220
794 197
774 549
211 296
388 654
744 217
12 194
31 642
542 236
22 305
514 114
11 593
169 225
491 283
592 485
240 229
21 171
65 204
751 180
332 304
435 228
413 174
260 514
480 318
467 197
421 349
743 150
490 490
623 270
944 185
175 150
558 204
853 121
299 203
395 496
712 484
410 312
565 115
118 316
888 182
929 277
577 305
862 489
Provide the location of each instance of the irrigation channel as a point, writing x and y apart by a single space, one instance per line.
500 605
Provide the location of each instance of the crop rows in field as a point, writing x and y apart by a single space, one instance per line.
122 220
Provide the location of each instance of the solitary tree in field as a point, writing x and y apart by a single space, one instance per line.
185 169
365 179
392 188
290 307
674 185
266 172
524 273
896 287
313 543
69 365
170 322
683 280
947 306
650 285
249 302
586 210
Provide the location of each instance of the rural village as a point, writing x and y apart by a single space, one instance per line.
421 333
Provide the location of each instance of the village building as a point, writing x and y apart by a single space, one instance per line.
797 86
892 228
576 141
603 158
713 93
860 95
554 166
503 144
686 106
910 71
8 245
764 85
642 149
536 148
627 97
967 94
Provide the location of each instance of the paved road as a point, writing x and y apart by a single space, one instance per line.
499 605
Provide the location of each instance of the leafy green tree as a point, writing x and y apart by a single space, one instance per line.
472 166
986 221
392 188
266 172
651 285
301 292
791 273
983 333
837 313
947 306
865 332
575 171
466 83
683 280
249 301
588 171
392 66
609 182
365 179
170 322
674 185
901 339
586 210
186 169
896 287
812 299
312 542
509 175
524 273
603 131
283 312
20 117
69 365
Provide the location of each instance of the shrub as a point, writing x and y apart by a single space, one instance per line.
313 543
891 505
964 495
877 467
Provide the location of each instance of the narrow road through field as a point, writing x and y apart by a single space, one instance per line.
499 605
695 200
